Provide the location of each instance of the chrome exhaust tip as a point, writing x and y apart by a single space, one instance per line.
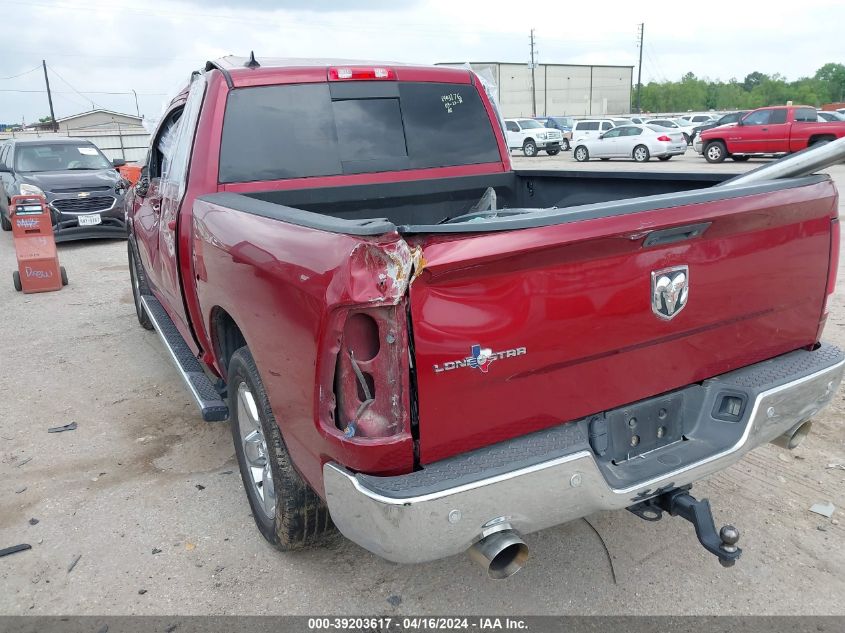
502 554
794 436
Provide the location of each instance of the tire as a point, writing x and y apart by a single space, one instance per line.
739 158
5 222
687 138
565 146
529 148
16 280
581 154
63 273
663 158
553 152
139 287
715 152
641 154
298 518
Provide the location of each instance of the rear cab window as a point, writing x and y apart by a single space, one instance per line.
328 129
805 115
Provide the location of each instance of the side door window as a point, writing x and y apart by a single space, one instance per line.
175 170
606 125
512 126
174 181
761 117
777 116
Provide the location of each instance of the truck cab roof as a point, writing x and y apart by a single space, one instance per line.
240 72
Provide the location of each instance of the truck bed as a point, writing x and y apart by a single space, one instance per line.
556 284
427 205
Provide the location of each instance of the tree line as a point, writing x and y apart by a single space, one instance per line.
755 91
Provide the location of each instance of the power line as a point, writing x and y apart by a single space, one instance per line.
31 70
93 103
88 92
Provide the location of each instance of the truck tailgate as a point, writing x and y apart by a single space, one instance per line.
566 311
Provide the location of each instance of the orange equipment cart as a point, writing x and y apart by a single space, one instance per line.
38 261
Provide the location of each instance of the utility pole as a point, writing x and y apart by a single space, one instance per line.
533 83
640 67
49 97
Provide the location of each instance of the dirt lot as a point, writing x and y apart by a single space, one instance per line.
149 496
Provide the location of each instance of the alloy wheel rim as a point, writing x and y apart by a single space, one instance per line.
639 154
256 455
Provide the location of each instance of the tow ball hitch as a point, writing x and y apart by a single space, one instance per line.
679 502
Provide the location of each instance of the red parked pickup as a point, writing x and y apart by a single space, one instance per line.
777 130
436 353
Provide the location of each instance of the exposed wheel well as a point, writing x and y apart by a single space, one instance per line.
818 138
226 337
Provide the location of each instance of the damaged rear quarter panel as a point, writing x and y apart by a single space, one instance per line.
284 286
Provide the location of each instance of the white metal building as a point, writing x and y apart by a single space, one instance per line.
118 135
559 89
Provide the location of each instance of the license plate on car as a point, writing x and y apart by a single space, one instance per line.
90 220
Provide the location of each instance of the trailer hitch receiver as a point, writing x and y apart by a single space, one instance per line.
679 502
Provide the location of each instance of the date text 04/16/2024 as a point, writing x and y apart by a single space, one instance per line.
416 623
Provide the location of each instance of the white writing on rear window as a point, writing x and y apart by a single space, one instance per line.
451 100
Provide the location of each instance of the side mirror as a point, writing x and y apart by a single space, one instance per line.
118 162
739 122
142 186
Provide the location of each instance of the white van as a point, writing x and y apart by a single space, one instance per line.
591 128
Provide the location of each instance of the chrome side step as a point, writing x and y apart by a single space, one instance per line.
212 407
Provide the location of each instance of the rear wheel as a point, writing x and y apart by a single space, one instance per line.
641 154
287 512
714 152
581 154
739 158
529 148
139 287
820 140
687 138
565 145
16 280
553 152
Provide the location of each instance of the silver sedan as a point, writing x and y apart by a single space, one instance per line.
639 142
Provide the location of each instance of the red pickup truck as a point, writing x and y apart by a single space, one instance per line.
435 353
767 131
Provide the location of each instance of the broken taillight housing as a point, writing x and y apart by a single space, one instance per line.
371 373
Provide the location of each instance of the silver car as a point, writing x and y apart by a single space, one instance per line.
639 142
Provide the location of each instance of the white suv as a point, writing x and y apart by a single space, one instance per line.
530 136
590 129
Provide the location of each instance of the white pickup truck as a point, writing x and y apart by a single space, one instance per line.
530 136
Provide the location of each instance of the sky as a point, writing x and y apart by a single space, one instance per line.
97 47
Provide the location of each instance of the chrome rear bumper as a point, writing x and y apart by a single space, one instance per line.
409 526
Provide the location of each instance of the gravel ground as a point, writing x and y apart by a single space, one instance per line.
147 499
